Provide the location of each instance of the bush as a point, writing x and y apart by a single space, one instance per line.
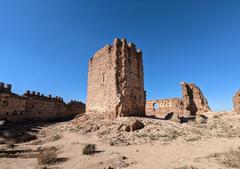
47 156
89 149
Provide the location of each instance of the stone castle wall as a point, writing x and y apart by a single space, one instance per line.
236 102
164 106
193 99
115 80
33 106
192 102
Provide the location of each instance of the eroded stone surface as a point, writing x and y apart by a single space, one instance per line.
115 81
164 106
193 99
236 102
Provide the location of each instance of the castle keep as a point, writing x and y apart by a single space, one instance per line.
115 80
34 106
236 102
192 102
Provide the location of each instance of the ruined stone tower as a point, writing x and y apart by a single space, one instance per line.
115 81
236 102
193 99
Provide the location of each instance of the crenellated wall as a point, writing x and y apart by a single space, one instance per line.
5 88
35 106
76 107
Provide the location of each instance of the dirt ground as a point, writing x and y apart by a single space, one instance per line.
212 143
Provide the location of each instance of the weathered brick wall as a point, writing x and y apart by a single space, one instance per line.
115 81
33 106
39 107
76 107
163 106
12 106
102 94
236 102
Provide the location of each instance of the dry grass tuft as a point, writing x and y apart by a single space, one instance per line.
47 155
232 158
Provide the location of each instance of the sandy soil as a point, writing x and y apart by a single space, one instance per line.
161 144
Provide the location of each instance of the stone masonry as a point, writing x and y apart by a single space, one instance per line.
164 106
34 106
192 102
115 81
236 102
193 99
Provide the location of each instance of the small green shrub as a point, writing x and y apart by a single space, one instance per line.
89 149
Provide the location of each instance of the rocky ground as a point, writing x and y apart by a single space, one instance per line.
211 141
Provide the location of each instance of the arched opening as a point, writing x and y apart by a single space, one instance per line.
155 106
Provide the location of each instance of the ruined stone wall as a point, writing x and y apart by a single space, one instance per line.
236 102
115 80
33 106
164 106
130 83
193 102
193 99
76 107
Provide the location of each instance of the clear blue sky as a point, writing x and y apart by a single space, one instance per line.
45 45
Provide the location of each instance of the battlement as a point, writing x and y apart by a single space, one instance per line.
117 43
75 101
132 45
29 93
5 88
124 44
